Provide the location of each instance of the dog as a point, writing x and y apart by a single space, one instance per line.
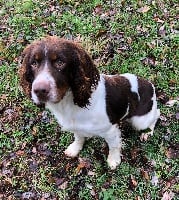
60 74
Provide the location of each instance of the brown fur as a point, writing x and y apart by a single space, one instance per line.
119 96
81 74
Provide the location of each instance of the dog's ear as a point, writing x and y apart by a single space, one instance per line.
25 71
84 76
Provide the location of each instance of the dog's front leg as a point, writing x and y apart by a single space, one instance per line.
113 138
74 148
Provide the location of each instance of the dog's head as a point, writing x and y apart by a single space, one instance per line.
52 66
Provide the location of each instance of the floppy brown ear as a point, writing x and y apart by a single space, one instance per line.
25 72
84 76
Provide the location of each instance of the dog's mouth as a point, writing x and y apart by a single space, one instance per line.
42 101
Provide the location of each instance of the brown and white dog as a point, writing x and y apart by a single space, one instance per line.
62 75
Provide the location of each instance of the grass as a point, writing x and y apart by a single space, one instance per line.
122 37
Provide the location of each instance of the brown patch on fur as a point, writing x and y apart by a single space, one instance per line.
119 97
78 72
145 92
53 56
26 86
85 77
25 73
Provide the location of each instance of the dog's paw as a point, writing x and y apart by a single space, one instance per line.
114 159
72 150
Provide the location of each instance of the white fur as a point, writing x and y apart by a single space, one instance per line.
44 76
127 112
88 122
148 120
133 82
94 121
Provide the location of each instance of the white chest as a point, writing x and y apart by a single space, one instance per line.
90 121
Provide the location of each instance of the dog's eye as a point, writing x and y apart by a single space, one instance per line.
34 64
59 64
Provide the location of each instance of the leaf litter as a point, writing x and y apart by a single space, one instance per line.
37 154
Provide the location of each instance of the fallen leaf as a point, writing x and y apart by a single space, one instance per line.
158 20
168 196
45 196
63 186
145 174
149 61
28 195
91 173
135 152
144 137
8 181
79 167
177 115
144 9
98 10
162 31
171 103
20 153
163 118
138 198
172 82
3 96
34 131
154 180
173 152
83 163
162 97
34 150
59 181
24 145
101 32
132 182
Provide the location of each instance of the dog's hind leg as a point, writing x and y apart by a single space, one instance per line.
113 138
152 126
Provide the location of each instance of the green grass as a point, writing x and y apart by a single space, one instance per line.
120 39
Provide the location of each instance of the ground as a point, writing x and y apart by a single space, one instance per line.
122 36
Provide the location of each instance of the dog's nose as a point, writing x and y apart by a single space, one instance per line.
42 89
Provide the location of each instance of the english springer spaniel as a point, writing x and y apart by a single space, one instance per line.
60 74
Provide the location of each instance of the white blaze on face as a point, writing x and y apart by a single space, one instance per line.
44 76
46 51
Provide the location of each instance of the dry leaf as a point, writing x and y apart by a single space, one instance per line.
162 97
63 186
171 103
144 9
135 152
168 195
34 150
154 180
34 131
83 163
173 152
79 167
177 115
144 137
145 174
158 20
8 181
98 10
20 153
28 195
133 183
